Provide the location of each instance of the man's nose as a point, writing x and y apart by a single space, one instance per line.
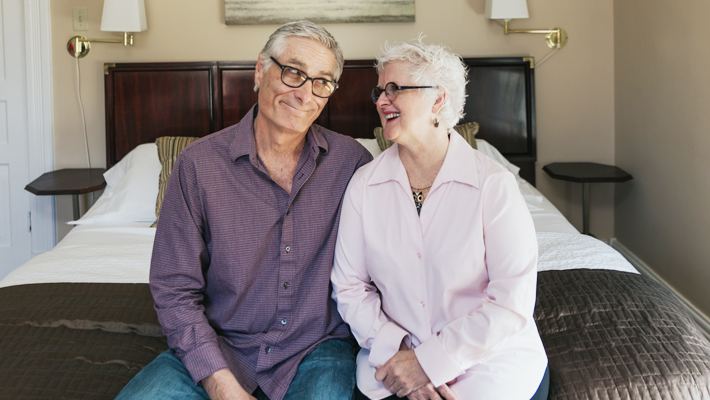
305 92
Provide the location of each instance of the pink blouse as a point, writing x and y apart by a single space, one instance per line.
457 283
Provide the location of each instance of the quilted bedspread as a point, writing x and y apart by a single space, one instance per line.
614 335
608 335
75 341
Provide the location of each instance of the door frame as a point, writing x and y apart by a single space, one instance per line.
40 118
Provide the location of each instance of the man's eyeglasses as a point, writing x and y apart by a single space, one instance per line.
391 89
295 78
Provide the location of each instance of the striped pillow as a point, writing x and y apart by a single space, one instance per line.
468 131
168 149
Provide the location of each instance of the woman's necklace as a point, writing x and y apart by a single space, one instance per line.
418 197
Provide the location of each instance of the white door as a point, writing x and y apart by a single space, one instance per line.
15 236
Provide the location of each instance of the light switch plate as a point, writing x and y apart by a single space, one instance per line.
81 19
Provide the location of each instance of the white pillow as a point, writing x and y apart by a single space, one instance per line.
493 153
114 175
371 146
131 189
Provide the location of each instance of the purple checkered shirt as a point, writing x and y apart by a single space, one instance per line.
241 269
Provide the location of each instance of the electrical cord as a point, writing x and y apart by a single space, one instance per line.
83 117
83 122
546 57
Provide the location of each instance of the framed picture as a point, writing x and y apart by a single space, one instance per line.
264 12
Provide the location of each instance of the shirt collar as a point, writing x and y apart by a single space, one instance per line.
459 166
390 168
244 142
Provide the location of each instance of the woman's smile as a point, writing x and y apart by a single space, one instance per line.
391 116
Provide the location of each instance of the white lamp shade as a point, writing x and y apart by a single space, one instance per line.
124 16
506 9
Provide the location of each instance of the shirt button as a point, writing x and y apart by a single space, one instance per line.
288 248
419 255
286 285
421 303
283 321
267 350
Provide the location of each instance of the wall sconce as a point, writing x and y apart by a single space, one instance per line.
118 16
512 9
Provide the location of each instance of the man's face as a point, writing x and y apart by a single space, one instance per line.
293 110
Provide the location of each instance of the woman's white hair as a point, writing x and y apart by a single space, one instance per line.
431 65
305 29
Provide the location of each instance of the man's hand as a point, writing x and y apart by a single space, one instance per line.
222 385
402 373
428 392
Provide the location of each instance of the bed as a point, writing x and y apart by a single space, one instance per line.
77 322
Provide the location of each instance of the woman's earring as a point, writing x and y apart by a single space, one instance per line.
436 122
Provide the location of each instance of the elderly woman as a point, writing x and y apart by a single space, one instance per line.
443 234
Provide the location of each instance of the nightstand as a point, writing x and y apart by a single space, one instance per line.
73 181
586 173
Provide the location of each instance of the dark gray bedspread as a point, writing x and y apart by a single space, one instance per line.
614 335
609 335
75 340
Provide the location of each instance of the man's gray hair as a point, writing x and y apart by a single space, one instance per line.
431 65
305 29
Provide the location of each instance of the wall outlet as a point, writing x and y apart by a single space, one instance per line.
81 19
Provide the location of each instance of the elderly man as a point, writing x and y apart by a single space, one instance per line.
244 248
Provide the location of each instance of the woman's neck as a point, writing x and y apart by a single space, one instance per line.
422 159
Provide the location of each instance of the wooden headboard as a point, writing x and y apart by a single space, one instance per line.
145 101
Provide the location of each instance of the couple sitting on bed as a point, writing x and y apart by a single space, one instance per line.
430 247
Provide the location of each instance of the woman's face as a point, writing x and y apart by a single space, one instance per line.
411 112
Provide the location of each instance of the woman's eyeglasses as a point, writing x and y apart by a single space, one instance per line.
391 89
295 78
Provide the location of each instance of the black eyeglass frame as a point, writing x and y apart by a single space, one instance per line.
308 78
377 92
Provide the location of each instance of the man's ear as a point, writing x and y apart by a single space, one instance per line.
258 72
440 100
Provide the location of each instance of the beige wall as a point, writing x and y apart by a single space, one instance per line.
663 139
575 88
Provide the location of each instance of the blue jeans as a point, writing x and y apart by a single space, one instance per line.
327 373
544 387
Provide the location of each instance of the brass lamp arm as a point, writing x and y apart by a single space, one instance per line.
531 31
556 37
79 46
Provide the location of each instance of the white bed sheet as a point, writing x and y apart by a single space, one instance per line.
546 216
101 253
560 251
120 253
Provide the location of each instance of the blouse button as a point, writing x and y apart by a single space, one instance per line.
283 321
421 303
288 248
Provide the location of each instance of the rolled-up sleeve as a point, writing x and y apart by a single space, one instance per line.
511 260
180 258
